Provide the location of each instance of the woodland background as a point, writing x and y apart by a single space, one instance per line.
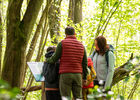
28 27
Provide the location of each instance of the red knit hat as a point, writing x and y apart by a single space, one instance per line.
90 63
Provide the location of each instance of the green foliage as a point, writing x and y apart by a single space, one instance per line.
121 97
8 93
98 93
123 32
126 79
137 75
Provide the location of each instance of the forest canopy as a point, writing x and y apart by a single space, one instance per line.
28 27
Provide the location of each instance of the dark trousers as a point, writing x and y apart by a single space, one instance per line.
71 82
53 95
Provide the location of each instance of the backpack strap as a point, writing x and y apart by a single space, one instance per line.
94 52
107 57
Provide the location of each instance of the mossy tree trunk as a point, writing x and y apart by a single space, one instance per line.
18 35
75 11
34 41
75 14
54 20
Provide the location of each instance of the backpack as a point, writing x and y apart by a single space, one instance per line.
51 72
111 48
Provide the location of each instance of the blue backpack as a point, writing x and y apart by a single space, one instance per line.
111 48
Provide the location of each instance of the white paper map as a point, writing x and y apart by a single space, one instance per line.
36 69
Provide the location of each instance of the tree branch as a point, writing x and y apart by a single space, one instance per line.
97 32
42 49
121 73
106 21
33 88
111 17
103 9
107 17
136 85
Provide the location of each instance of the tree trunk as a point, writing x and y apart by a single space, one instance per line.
28 2
43 97
11 67
75 11
39 54
36 35
54 20
75 14
18 35
1 30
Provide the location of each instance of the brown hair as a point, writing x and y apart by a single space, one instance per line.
69 30
51 48
102 44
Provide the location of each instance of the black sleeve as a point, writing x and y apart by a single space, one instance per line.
84 65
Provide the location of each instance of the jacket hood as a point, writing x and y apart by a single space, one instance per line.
49 54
